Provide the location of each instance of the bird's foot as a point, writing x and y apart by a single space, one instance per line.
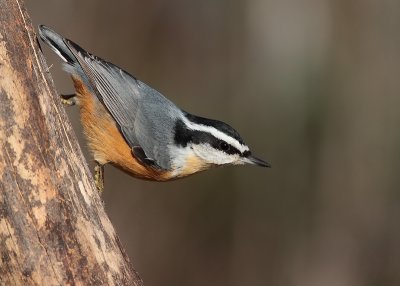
99 177
68 99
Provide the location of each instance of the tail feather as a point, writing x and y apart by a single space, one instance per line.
57 44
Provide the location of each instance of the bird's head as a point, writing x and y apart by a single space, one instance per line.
201 143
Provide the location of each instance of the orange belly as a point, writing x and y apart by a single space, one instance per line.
105 140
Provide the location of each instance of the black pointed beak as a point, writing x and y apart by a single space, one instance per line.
256 161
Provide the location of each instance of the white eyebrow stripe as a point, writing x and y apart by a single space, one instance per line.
216 133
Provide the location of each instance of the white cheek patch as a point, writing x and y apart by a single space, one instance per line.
210 155
203 151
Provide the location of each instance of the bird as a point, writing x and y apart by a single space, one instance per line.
135 128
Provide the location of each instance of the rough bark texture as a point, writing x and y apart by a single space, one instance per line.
53 227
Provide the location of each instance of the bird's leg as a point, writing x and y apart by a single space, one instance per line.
68 99
99 176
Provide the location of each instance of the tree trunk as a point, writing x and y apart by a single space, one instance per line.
53 227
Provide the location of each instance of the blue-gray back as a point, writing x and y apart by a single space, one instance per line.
144 116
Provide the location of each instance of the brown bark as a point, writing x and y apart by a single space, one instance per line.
53 227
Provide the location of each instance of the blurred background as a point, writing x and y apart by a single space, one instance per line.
313 86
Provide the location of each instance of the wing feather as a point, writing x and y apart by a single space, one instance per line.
144 116
115 88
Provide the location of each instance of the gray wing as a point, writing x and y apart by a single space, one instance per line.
145 117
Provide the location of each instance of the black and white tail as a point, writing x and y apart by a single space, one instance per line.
57 44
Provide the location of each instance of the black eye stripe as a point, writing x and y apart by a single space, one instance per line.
183 136
225 147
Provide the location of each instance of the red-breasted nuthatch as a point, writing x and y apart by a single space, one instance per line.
137 129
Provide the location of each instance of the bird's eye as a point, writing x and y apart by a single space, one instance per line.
224 146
